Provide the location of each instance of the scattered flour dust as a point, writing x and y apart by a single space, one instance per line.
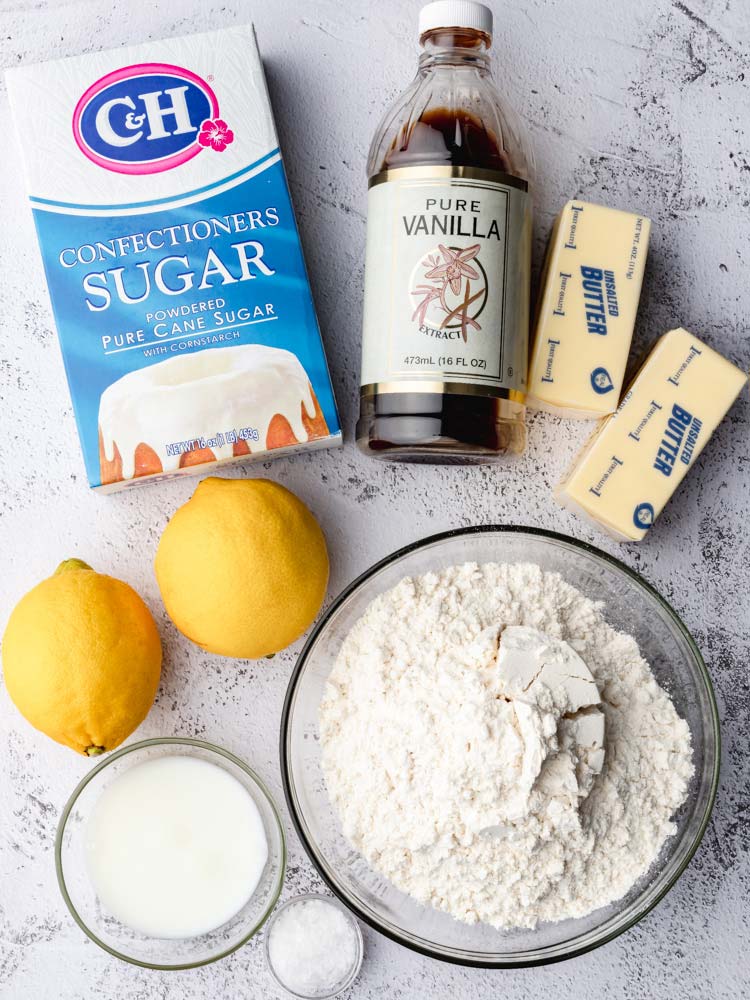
480 795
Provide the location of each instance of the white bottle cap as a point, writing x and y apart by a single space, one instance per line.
455 14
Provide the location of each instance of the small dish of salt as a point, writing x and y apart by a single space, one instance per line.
313 947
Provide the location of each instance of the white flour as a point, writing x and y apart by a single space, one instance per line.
478 791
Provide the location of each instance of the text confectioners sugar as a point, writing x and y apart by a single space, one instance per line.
497 750
172 257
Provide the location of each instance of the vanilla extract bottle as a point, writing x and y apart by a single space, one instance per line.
445 334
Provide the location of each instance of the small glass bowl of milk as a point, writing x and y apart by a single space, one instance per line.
170 853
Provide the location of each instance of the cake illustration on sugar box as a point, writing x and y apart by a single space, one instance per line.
172 257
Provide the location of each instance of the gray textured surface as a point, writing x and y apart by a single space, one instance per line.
640 104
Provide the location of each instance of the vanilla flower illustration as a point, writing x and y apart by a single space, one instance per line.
448 273
429 293
455 266
216 134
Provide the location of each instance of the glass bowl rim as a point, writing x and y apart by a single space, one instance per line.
160 742
397 555
332 901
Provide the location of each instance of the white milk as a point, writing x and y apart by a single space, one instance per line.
175 847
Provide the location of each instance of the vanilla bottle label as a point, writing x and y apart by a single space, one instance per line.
447 282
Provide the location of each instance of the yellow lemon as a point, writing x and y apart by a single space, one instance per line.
82 658
242 567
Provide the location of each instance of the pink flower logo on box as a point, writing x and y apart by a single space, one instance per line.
216 134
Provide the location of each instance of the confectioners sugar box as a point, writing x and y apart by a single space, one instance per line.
172 257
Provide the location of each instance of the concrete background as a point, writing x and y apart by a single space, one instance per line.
641 105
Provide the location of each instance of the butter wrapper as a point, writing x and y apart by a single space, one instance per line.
591 287
638 457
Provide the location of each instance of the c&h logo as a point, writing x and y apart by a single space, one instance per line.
147 118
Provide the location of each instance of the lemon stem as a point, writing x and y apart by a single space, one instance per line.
93 751
67 564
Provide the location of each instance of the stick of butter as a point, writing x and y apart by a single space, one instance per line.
639 456
590 290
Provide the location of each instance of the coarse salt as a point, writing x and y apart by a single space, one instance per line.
313 947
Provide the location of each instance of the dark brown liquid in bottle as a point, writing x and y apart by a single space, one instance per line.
440 427
448 138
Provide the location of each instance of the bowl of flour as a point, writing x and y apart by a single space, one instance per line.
500 747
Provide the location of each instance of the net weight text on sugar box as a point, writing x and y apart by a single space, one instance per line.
218 441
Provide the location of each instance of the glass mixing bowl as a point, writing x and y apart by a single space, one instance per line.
631 605
119 939
333 989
